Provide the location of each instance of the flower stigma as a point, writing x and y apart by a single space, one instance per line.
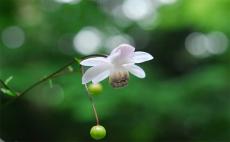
119 79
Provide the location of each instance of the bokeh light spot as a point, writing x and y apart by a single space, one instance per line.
137 9
218 42
168 1
195 44
204 45
113 41
48 96
68 1
88 40
1 140
13 37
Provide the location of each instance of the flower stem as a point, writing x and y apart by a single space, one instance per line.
91 99
87 90
52 75
93 105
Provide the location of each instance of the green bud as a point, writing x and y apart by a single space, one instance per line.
95 89
98 132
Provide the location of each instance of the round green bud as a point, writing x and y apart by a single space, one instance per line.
95 89
98 132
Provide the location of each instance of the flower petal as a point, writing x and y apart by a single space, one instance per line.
114 56
94 61
135 70
94 72
101 77
123 51
124 48
140 57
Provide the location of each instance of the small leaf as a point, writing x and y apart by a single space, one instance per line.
8 80
8 92
70 68
51 83
78 60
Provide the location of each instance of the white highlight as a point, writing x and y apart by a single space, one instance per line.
68 1
113 41
1 140
87 41
218 42
168 1
201 45
137 9
196 44
13 37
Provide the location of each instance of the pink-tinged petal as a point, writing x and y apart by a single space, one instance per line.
94 72
114 56
125 48
123 51
95 61
135 70
140 57
101 77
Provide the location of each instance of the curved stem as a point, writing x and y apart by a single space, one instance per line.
93 105
87 89
53 75
91 99
46 78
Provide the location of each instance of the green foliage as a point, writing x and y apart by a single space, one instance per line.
182 98
51 83
8 92
4 88
8 80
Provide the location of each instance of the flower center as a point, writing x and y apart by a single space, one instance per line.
119 79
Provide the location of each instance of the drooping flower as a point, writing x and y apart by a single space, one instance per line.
116 66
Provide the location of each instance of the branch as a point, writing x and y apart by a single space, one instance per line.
52 75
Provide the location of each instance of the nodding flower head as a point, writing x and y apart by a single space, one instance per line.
116 66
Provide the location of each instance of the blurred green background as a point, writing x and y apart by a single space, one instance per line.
185 96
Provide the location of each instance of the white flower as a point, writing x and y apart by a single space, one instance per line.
116 66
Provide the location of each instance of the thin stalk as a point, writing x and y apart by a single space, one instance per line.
52 75
87 89
7 87
91 100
